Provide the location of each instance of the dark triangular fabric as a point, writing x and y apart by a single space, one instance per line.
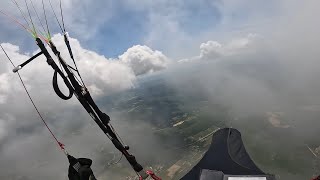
226 154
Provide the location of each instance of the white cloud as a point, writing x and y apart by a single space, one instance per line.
144 60
4 87
102 74
82 18
214 50
2 129
7 85
257 77
20 127
211 49
85 17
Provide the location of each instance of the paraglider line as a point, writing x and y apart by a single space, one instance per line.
16 21
34 29
64 28
45 17
55 15
24 17
38 17
35 107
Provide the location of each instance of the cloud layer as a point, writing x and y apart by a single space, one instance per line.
144 60
20 128
273 69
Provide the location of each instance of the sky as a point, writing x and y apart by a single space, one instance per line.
260 54
111 27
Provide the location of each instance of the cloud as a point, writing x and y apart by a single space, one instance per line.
82 19
86 18
20 128
102 76
144 60
6 85
100 73
276 69
211 50
214 50
243 73
3 128
4 88
162 22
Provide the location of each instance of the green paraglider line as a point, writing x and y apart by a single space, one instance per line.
33 27
55 15
45 17
44 30
12 19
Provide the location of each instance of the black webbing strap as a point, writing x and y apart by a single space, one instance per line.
88 103
57 89
56 69
17 68
29 60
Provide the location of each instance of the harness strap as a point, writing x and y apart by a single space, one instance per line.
57 89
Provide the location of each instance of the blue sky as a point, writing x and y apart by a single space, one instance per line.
233 34
129 26
125 29
111 27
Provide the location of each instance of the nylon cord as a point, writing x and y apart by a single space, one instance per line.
77 70
115 132
45 17
64 28
34 29
21 25
24 17
114 163
38 18
64 31
55 15
16 21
